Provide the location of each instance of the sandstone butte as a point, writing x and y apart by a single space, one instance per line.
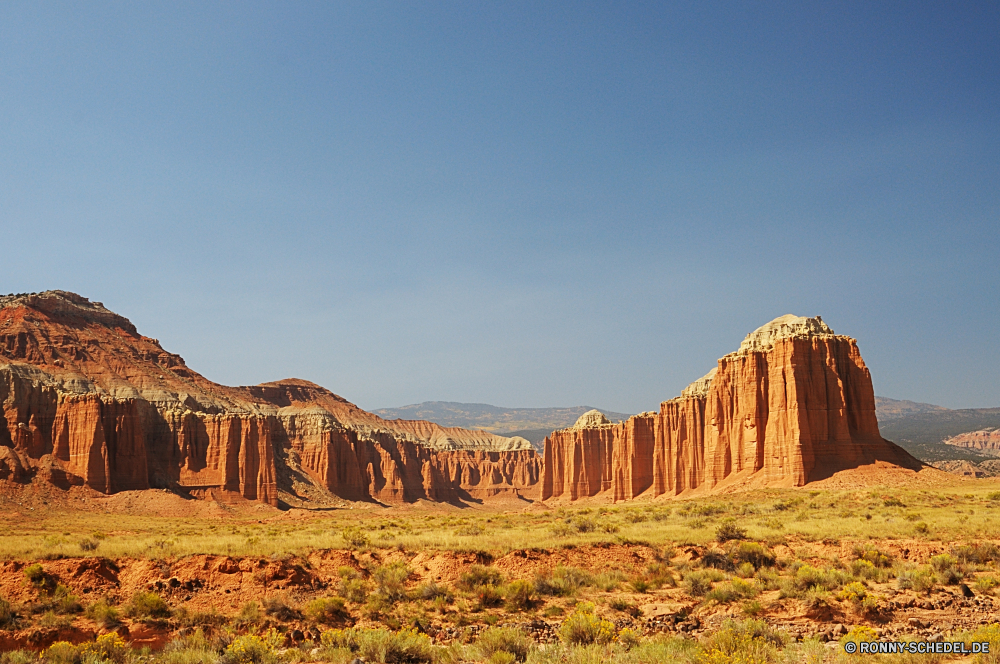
89 401
794 404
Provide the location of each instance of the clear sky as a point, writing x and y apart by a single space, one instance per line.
523 204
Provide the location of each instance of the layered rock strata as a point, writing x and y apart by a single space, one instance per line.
792 405
89 401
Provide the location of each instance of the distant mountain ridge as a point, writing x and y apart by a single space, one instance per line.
493 418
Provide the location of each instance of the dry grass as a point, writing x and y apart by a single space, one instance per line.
949 514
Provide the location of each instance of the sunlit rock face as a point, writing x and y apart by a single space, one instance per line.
89 401
792 405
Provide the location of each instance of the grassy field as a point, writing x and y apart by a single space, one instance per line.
744 578
968 512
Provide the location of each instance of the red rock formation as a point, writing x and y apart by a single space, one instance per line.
87 400
983 440
795 404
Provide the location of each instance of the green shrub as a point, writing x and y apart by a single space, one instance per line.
921 580
390 586
942 562
109 647
325 610
61 652
748 641
521 595
103 614
639 585
432 590
381 645
753 553
978 553
729 530
355 538
147 605
8 616
254 649
487 596
480 575
191 649
986 584
18 657
563 581
584 627
873 555
698 583
733 590
278 608
716 560
504 640
87 544
353 588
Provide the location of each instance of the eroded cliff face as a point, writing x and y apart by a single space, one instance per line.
794 404
89 401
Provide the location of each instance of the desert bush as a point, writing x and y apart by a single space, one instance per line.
942 562
470 530
698 583
480 575
355 538
381 645
746 570
253 648
87 544
751 552
325 610
250 614
18 657
147 605
191 649
61 652
584 627
733 590
433 590
873 555
39 578
110 647
639 585
103 614
808 577
277 607
563 581
504 640
716 559
8 616
353 588
488 596
729 530
920 580
521 595
990 634
986 584
978 553
748 641
390 585
608 581
857 594
863 569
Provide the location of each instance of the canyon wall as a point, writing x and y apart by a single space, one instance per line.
793 405
89 401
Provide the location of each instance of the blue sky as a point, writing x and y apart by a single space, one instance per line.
524 204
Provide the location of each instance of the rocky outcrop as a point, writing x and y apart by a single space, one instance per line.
792 405
89 401
986 441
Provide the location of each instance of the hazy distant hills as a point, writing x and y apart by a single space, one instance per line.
531 423
917 427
